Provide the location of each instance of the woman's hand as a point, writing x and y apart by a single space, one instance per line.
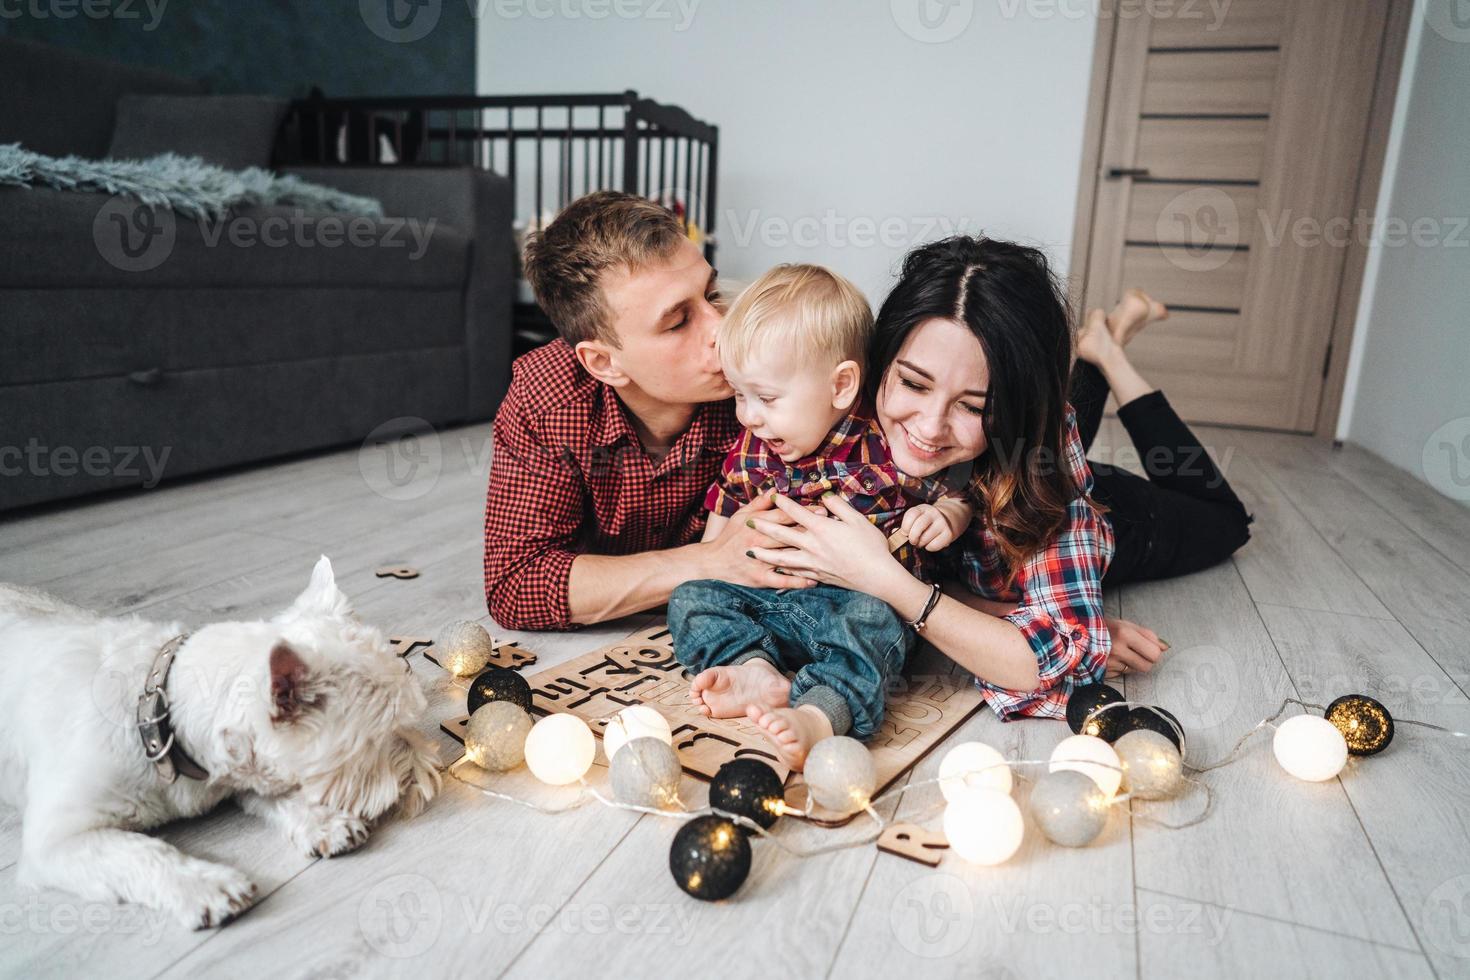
845 549
1136 649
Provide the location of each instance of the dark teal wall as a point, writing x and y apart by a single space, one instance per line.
277 47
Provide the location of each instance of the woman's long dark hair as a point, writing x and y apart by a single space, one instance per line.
1008 297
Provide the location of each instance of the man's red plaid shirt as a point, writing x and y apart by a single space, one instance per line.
568 476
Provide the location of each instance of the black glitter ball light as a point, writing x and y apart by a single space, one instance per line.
500 684
748 788
1366 725
1155 719
1086 700
710 858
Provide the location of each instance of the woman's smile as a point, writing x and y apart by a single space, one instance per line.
920 448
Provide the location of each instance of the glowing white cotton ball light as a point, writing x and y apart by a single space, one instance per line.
1092 757
638 721
559 749
1310 748
840 774
463 648
973 765
984 826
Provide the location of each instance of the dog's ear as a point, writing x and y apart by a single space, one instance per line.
288 679
321 597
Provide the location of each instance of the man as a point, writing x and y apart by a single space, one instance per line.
610 436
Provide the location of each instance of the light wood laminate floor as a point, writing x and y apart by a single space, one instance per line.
1357 579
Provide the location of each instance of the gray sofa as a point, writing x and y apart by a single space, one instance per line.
228 351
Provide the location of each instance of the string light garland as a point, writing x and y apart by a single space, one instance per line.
1121 751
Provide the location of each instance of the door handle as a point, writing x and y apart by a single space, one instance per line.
1118 173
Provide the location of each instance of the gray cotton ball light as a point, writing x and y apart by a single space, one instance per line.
495 738
840 774
645 772
463 648
1152 767
1069 807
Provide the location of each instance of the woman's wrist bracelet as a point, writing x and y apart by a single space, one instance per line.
923 618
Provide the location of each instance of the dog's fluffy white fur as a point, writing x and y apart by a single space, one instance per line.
308 719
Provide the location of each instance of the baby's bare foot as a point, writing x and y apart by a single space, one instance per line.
793 731
725 692
1134 311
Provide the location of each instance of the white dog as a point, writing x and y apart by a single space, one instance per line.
308 718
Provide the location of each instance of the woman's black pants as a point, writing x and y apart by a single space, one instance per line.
1184 517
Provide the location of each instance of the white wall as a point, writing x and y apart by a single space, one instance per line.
834 120
1410 380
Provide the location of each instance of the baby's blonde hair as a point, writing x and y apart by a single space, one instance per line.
813 312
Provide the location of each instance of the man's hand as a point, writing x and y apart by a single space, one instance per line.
728 556
1136 649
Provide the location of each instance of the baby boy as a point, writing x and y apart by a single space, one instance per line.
793 346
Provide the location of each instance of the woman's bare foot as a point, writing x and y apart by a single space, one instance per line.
1095 343
726 692
793 731
1134 311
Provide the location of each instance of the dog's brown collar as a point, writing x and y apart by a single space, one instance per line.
159 741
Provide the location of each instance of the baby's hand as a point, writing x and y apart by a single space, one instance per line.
927 527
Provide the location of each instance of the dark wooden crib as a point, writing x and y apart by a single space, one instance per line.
553 148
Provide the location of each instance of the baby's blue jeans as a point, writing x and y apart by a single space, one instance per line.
843 646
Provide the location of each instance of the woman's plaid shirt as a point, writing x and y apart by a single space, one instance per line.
1058 597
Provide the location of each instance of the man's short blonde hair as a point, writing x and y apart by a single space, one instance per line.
604 231
814 314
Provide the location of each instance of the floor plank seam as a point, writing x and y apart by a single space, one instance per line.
1236 910
1408 920
1349 479
1347 796
867 879
218 931
1396 616
571 895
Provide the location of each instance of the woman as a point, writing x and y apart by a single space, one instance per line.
969 370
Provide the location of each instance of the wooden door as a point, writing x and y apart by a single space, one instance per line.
1231 148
